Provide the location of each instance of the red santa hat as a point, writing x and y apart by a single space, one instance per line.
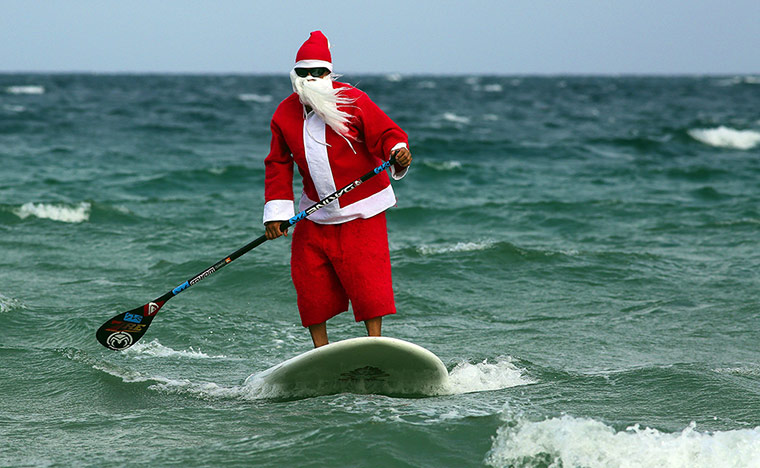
315 52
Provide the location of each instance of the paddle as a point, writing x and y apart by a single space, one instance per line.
125 329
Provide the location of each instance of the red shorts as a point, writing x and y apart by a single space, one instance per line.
334 263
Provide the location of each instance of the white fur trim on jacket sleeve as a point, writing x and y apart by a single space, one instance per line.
278 210
398 174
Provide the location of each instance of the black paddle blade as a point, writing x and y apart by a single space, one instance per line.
125 329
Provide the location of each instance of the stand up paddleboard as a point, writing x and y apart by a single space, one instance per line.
377 365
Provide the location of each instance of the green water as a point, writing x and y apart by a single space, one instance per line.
581 252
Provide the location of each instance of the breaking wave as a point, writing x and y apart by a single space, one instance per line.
25 89
569 441
725 137
56 212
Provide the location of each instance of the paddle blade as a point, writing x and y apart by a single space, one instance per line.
125 329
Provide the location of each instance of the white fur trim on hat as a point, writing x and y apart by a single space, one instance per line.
313 64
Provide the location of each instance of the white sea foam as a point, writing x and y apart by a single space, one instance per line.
394 77
568 441
156 349
452 117
201 389
443 165
725 137
260 98
56 212
25 89
7 304
485 376
458 247
11 108
753 370
739 80
493 88
172 385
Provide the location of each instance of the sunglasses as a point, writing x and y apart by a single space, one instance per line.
315 72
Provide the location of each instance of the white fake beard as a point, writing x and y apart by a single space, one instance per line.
319 94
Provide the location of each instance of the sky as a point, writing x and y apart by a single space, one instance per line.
395 36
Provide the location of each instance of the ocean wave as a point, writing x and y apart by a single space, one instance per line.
458 247
25 89
569 441
259 98
56 212
725 137
153 348
485 376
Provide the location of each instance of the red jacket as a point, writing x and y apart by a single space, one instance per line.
301 138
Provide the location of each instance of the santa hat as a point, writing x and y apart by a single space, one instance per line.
315 52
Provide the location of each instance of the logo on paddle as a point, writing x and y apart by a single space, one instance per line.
152 308
119 340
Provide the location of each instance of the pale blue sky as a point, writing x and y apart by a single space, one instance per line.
408 37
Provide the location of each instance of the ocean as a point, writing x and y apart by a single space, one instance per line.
582 253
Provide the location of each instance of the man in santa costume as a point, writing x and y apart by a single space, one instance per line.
334 133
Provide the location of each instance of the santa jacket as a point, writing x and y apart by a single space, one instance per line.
327 161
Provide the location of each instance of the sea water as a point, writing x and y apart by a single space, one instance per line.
582 253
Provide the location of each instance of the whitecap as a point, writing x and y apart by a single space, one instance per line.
739 80
458 247
493 88
156 349
485 376
25 89
200 389
740 370
427 84
259 98
11 108
570 441
8 303
725 137
56 212
393 77
443 165
452 117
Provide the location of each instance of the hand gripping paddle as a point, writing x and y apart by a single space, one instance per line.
125 329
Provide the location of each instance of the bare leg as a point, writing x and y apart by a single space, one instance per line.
318 334
374 326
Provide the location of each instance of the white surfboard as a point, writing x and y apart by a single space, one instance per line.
377 365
